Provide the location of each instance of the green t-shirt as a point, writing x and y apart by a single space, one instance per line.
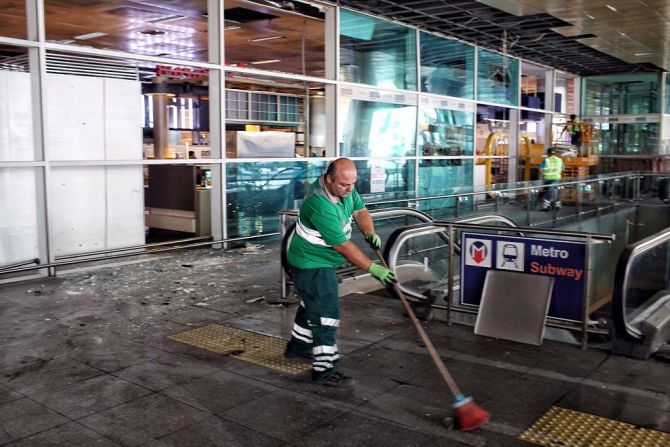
328 219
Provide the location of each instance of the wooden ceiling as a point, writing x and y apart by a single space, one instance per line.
178 29
580 36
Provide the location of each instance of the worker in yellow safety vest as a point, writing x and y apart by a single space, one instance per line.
551 168
574 128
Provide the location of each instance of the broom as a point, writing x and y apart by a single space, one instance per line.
467 413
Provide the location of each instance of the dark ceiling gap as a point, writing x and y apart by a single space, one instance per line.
484 25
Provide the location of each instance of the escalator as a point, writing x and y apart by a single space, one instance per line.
419 255
641 298
627 296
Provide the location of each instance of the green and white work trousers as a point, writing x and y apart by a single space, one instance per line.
552 194
317 319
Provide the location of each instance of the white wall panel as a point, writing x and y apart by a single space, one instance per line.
18 218
16 120
75 117
78 210
123 120
125 206
96 208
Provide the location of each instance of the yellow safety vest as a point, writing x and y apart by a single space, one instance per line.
574 127
552 168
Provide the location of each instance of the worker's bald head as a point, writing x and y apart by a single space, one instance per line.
341 164
341 177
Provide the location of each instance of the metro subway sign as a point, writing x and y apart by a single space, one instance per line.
564 261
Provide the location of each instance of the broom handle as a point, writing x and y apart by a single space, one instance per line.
422 333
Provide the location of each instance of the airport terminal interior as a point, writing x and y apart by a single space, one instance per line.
154 156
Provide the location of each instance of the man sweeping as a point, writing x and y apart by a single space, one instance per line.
321 243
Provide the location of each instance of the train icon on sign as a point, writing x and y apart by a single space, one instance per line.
510 256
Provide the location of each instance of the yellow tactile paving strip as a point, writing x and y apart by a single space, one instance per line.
560 427
243 345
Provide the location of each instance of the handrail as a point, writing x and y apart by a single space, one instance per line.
399 236
622 277
286 232
147 247
19 264
382 213
126 255
605 237
590 238
532 186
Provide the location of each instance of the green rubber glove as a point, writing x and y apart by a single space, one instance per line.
384 275
374 240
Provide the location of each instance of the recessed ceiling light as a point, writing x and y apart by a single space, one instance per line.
153 32
166 18
590 16
90 36
269 61
612 8
643 54
231 27
263 39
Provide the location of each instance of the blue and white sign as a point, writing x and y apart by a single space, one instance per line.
564 261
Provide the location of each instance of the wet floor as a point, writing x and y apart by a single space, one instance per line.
86 361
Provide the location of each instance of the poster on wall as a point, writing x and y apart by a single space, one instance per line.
377 176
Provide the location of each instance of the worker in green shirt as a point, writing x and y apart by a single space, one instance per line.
320 245
552 168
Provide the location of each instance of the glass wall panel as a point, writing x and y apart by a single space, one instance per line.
20 222
533 142
177 200
492 141
290 38
667 94
256 192
376 52
534 126
445 132
565 94
376 129
533 86
622 94
96 208
629 138
177 30
18 139
13 21
447 67
497 78
443 177
122 109
276 118
385 179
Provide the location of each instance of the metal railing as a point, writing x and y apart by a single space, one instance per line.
589 239
632 179
286 223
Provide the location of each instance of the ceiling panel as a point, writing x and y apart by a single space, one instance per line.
578 36
551 32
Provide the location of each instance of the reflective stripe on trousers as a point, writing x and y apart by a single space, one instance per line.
319 316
